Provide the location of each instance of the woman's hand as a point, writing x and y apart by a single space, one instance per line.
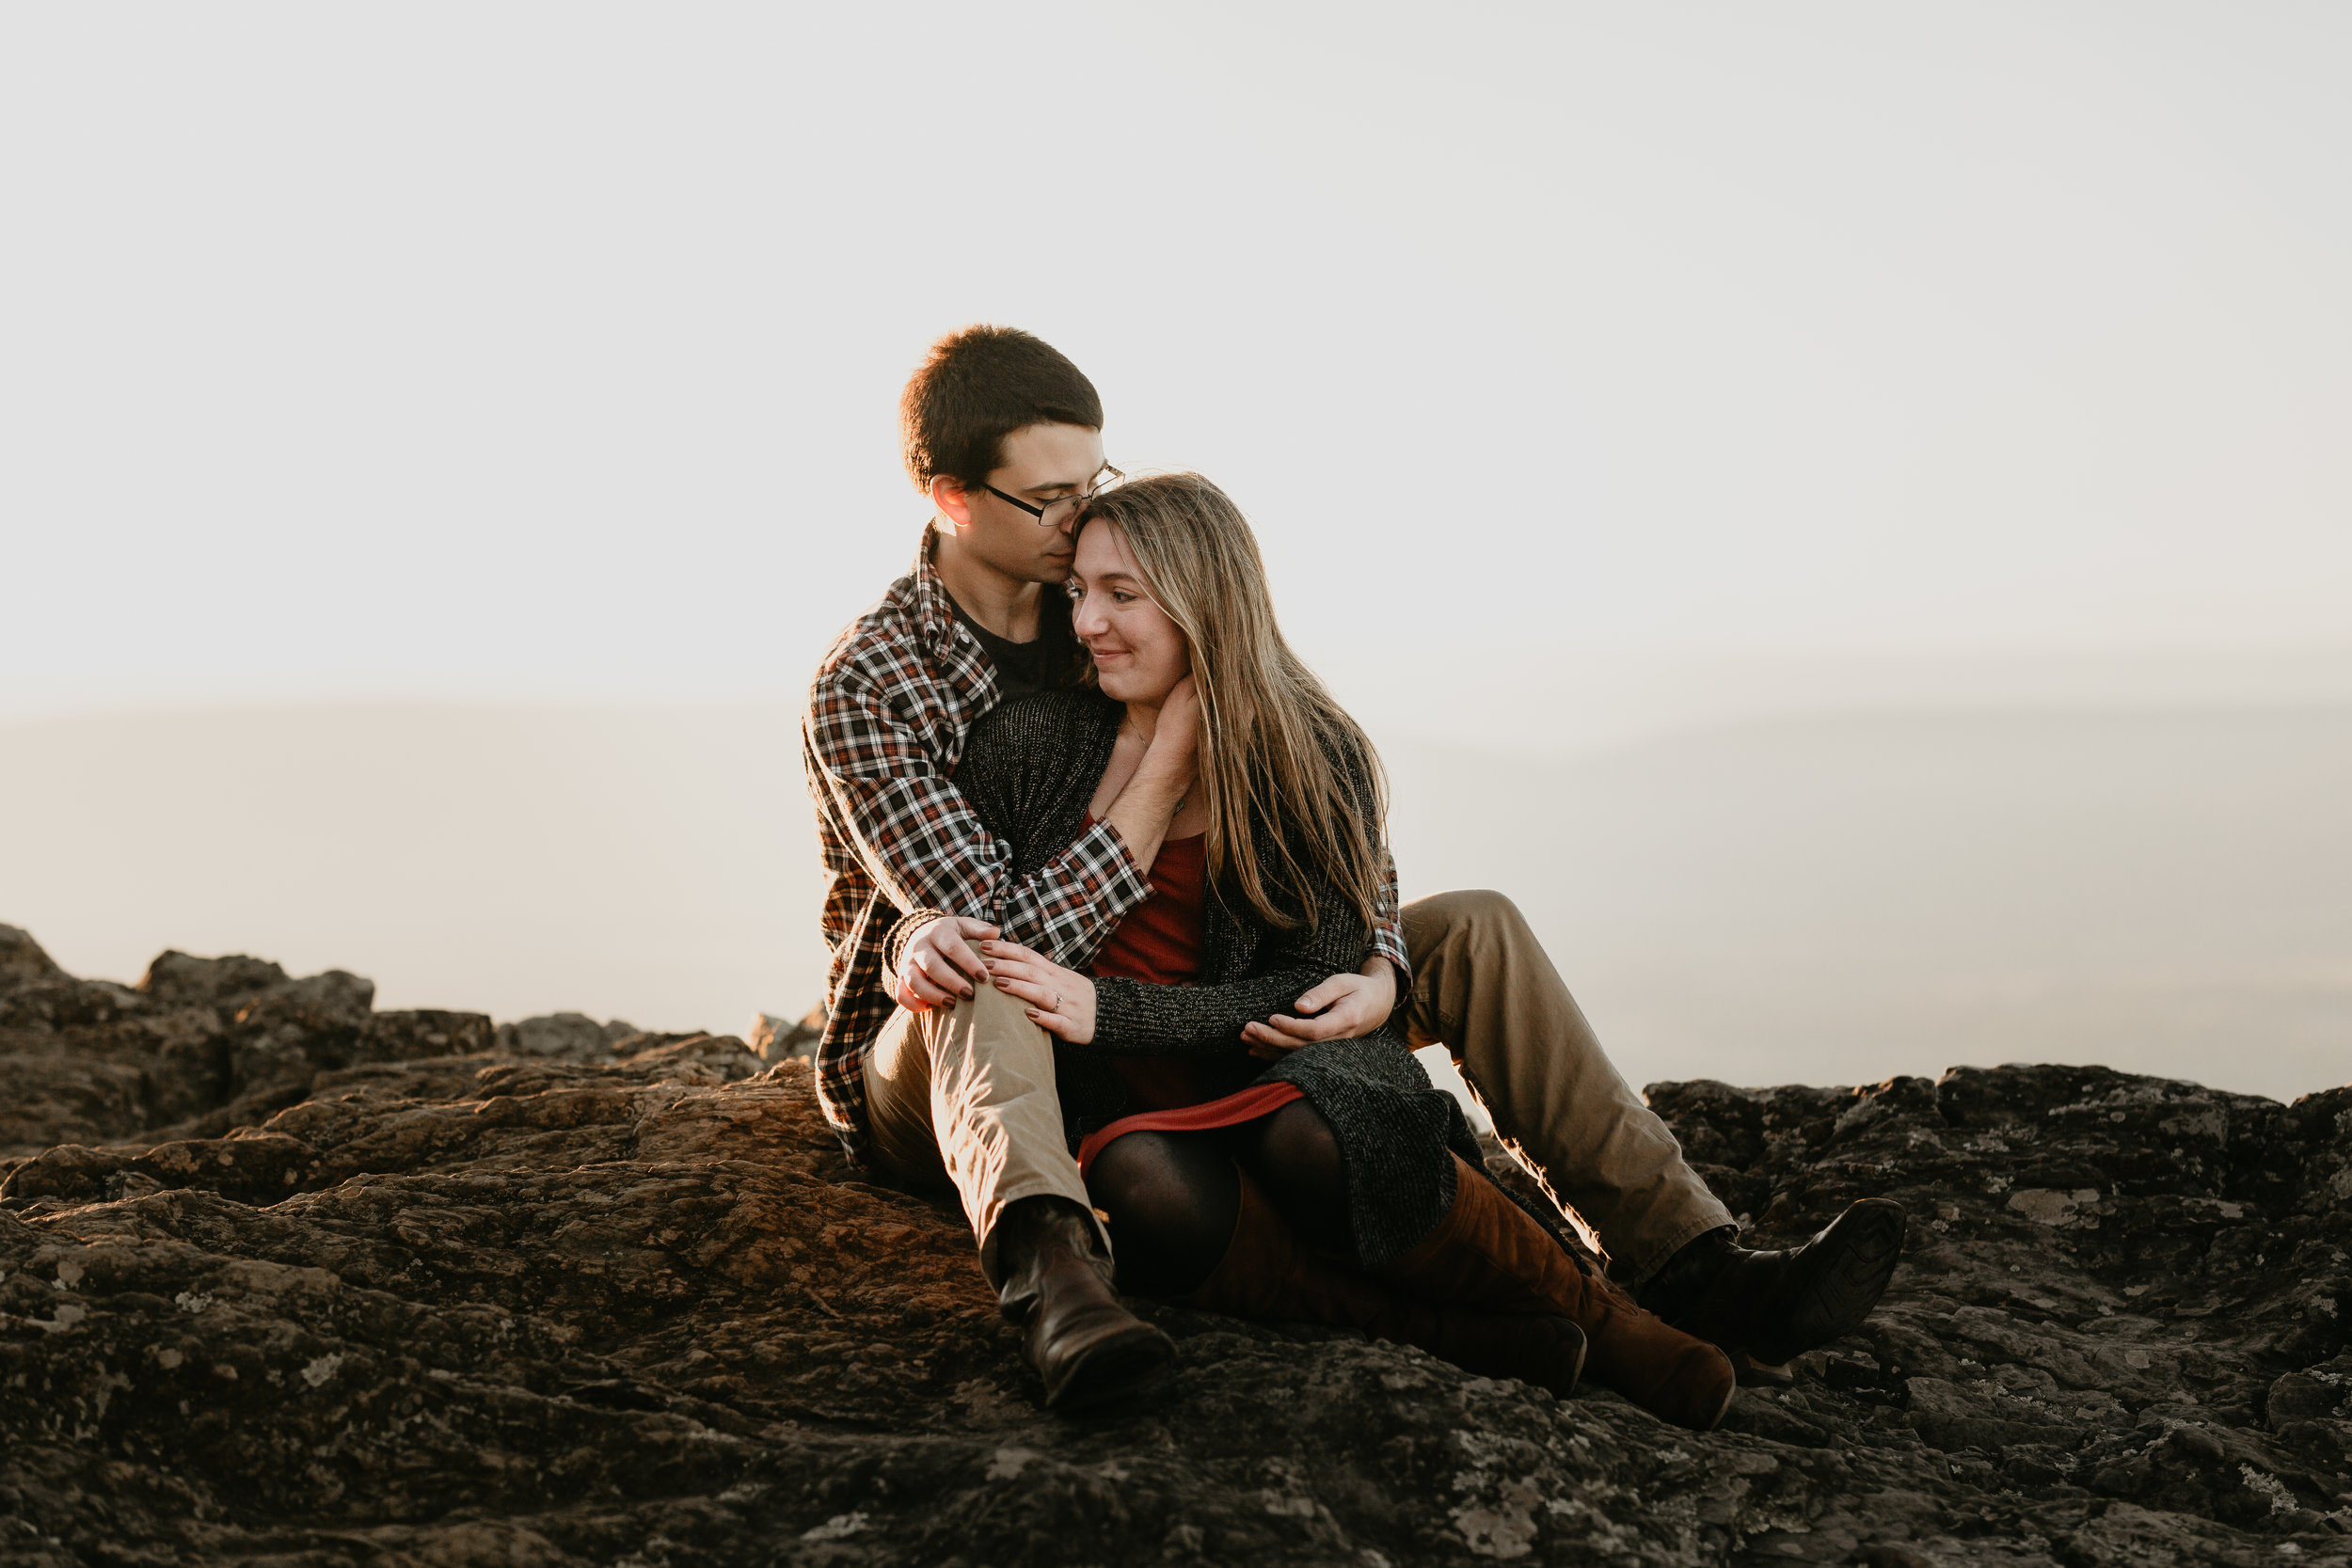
1059 1001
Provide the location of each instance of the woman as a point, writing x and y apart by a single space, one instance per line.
1336 1183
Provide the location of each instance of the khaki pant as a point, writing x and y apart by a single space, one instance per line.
964 1096
1483 987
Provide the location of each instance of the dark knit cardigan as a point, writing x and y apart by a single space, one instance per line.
1029 768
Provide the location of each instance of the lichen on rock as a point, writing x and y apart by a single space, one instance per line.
287 1279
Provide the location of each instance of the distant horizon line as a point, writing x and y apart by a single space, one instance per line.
112 699
1598 735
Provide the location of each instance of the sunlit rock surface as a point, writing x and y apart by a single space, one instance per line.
286 1279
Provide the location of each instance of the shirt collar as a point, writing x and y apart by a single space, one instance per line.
946 638
934 612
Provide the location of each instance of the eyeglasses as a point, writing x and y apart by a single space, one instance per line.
1061 513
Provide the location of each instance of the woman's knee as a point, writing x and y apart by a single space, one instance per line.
1128 1170
1295 1154
1173 1200
1296 1149
1163 1181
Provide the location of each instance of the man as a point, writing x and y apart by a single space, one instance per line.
929 1071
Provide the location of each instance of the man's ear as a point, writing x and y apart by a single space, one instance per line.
951 501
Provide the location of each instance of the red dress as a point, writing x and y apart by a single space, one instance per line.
1159 941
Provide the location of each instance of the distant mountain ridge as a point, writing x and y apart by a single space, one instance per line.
1805 898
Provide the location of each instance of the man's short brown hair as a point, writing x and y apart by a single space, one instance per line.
977 386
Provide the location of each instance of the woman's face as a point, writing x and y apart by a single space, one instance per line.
1140 655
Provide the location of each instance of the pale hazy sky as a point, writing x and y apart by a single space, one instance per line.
490 406
518 351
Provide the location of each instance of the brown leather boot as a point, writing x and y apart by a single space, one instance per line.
1087 1347
1489 1252
1266 1274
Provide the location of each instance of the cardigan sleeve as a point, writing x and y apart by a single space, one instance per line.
1135 1018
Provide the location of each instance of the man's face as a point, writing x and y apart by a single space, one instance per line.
1042 462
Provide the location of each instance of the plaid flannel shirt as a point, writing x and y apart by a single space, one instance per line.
885 727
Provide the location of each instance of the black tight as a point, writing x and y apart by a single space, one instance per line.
1295 1157
1173 1196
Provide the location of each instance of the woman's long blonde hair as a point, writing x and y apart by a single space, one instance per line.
1280 760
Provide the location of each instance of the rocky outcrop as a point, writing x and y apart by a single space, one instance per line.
285 1279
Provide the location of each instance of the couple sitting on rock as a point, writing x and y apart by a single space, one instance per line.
1117 954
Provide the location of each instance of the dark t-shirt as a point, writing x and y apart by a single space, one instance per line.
1023 668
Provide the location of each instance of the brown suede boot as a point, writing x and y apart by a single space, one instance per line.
1489 1252
1266 1274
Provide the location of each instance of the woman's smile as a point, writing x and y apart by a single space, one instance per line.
1140 655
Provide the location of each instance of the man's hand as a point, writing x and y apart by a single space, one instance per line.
939 965
1344 1006
1061 1001
1178 733
1150 799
